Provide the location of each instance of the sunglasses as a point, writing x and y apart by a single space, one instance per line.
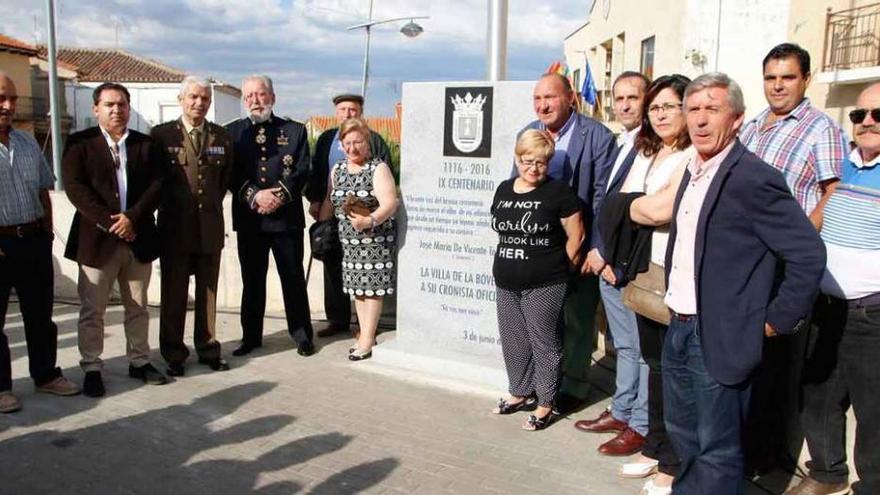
858 115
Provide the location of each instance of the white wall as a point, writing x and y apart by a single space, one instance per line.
151 104
228 287
749 28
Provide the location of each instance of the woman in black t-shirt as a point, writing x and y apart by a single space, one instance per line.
539 228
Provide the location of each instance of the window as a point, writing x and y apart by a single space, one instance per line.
647 63
576 79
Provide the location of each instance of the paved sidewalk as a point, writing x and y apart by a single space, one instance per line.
279 423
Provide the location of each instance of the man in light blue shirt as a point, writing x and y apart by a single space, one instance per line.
841 365
26 254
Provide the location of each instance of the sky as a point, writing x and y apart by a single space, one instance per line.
304 45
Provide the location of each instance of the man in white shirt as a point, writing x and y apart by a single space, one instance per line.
112 175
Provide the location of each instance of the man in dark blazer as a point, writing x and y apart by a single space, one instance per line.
628 414
328 151
271 169
112 175
199 159
585 152
743 262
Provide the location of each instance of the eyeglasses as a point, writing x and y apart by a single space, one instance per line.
858 115
665 108
539 164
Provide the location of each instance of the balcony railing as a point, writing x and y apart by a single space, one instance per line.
852 38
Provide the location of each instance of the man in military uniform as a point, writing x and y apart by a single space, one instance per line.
271 168
199 159
328 151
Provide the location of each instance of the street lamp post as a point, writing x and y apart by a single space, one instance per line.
411 30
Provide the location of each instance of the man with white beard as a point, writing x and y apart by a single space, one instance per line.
271 168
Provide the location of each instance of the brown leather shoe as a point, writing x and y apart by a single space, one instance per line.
809 486
59 386
8 402
603 424
627 442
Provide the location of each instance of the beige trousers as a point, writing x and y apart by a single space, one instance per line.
94 287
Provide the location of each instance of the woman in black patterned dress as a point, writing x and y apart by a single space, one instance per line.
368 239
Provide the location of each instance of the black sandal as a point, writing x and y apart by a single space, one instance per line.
505 407
534 423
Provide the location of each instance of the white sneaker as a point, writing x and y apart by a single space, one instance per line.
651 489
640 469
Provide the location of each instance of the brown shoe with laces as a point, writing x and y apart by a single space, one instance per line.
59 386
809 486
627 442
8 402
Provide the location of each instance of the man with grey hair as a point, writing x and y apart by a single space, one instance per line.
26 254
743 262
271 168
199 159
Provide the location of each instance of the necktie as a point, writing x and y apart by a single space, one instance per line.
114 152
196 136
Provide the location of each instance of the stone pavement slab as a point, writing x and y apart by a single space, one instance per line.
278 423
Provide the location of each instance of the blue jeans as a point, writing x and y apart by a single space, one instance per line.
630 402
703 417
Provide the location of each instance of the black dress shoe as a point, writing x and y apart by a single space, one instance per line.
332 330
244 349
148 374
93 385
176 369
305 349
216 364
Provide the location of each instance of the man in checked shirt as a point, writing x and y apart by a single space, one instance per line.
26 254
809 148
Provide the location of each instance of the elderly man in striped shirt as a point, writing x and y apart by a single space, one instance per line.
808 147
26 254
841 368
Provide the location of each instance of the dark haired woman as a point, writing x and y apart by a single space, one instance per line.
664 151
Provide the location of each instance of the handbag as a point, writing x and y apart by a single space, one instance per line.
324 240
353 204
644 294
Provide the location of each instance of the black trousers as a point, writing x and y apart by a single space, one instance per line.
773 429
657 444
176 269
841 371
253 254
26 265
337 304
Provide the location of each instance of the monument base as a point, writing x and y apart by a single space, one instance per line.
444 368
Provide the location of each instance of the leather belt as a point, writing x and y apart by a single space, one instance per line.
680 317
862 302
22 230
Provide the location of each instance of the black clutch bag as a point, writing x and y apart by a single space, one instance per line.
324 240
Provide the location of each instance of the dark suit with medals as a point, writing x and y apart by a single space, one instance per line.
272 154
192 235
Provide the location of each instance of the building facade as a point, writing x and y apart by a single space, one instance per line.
153 86
691 37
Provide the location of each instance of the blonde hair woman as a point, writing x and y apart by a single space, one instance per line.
539 228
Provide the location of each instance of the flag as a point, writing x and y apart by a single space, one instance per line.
558 67
588 90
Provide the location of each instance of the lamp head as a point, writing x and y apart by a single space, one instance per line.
411 29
